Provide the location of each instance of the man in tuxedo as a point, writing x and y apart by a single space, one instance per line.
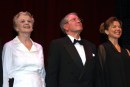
72 61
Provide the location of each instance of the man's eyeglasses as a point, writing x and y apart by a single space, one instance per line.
75 19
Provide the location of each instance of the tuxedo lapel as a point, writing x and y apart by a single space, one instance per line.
88 52
73 52
89 58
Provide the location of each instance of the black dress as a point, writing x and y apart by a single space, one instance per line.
127 70
114 66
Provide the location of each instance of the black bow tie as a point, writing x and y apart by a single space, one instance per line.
78 41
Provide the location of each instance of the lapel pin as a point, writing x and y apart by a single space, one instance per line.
93 54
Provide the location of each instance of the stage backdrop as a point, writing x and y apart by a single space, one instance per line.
47 15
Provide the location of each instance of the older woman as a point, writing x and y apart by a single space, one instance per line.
113 57
22 57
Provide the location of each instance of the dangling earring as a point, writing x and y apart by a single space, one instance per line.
106 32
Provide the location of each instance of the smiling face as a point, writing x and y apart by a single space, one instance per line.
24 23
114 31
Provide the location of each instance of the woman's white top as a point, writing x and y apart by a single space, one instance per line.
25 66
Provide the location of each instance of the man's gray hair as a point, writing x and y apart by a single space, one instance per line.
65 20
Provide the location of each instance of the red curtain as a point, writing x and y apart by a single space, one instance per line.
48 13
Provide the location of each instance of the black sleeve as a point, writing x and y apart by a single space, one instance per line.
52 69
101 55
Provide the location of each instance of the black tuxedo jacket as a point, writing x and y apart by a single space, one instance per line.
65 68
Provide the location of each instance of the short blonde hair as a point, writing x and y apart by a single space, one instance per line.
17 16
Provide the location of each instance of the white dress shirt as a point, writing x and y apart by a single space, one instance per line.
25 66
80 49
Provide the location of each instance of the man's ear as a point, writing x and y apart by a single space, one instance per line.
66 27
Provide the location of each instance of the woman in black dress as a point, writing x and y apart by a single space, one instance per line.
113 58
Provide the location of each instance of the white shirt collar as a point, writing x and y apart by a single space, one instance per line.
16 40
18 44
72 38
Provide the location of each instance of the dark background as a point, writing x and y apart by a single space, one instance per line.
48 13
